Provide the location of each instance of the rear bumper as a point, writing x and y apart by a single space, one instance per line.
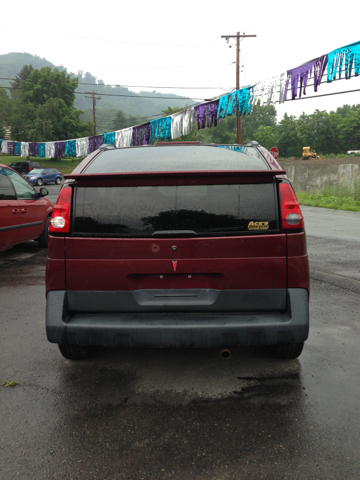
178 330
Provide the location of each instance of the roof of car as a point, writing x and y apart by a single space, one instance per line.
176 158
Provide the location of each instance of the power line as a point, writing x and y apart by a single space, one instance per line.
111 41
118 95
141 96
150 86
324 95
133 68
149 68
131 86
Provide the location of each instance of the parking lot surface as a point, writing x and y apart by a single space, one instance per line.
185 414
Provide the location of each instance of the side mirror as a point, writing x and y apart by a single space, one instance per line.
43 192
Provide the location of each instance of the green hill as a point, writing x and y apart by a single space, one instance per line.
12 63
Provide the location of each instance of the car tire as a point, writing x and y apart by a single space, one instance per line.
58 181
285 351
39 182
44 237
77 352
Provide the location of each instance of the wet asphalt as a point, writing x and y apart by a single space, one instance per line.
185 414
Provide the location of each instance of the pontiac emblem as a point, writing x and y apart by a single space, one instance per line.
174 262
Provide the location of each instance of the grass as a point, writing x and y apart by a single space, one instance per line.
340 155
6 383
340 197
64 165
327 156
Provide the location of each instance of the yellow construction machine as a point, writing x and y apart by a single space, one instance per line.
308 153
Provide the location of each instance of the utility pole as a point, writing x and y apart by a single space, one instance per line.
237 36
94 105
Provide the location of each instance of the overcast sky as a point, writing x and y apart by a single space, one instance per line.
178 44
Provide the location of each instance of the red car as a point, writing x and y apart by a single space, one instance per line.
24 212
177 245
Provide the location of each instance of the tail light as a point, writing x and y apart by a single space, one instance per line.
60 220
292 218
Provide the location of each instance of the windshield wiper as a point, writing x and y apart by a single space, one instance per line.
174 233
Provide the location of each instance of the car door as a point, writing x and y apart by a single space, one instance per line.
46 176
10 215
52 175
32 208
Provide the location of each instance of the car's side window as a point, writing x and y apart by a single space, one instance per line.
7 191
22 188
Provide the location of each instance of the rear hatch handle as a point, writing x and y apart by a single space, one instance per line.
174 233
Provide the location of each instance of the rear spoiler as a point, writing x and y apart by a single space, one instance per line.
174 178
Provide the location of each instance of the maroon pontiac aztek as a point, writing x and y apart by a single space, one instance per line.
177 245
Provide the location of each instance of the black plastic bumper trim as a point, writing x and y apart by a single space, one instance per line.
178 330
23 225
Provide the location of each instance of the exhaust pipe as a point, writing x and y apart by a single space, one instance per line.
225 353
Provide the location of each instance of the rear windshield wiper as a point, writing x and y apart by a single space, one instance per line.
174 233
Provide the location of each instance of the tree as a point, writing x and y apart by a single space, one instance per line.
43 107
171 110
349 130
324 132
224 132
345 109
264 116
5 108
49 83
24 74
304 129
120 121
288 137
134 120
265 137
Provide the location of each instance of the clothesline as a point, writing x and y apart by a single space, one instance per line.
209 113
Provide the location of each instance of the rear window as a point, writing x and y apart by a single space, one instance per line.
176 158
201 210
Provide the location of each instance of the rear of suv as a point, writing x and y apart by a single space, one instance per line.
177 245
24 166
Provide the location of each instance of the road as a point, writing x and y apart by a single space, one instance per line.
186 414
53 191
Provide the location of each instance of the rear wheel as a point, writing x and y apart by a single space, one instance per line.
44 237
39 182
77 352
285 350
58 181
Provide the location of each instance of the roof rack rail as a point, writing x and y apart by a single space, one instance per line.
106 146
161 144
